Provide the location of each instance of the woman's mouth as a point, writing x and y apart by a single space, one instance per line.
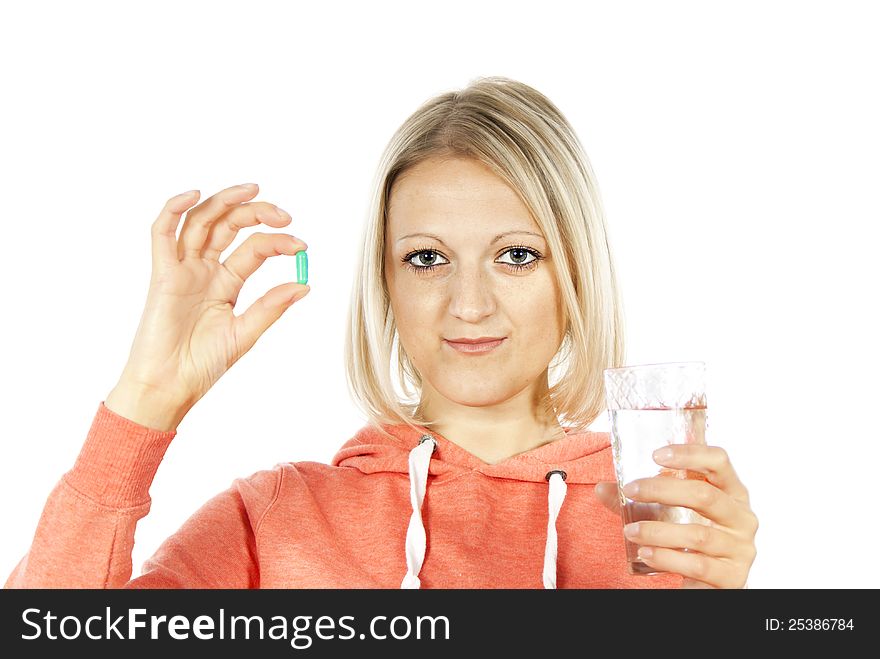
475 347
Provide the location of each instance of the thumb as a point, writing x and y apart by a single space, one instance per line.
607 493
266 310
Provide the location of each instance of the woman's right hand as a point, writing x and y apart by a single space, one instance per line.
188 335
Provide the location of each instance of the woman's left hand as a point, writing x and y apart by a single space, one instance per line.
719 554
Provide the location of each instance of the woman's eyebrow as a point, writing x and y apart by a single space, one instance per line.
494 240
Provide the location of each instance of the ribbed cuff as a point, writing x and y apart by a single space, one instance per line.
119 460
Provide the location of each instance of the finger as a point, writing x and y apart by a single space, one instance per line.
693 584
251 325
199 219
254 251
164 229
712 461
705 539
716 572
609 495
702 496
224 230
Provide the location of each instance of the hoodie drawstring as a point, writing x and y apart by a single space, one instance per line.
555 497
416 538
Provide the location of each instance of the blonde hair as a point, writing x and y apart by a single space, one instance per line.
528 143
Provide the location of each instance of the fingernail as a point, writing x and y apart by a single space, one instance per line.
248 186
283 213
663 454
631 489
645 553
631 530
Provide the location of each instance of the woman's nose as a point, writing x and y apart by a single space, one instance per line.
471 295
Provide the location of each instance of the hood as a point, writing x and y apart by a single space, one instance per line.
578 454
420 452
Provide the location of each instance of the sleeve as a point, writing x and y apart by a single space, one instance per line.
217 546
85 535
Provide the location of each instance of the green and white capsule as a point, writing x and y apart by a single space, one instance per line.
302 267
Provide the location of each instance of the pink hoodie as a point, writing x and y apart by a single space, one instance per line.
386 513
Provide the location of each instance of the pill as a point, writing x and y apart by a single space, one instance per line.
302 267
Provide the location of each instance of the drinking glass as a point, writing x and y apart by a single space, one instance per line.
653 405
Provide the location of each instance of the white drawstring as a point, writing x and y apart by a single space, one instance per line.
555 497
416 540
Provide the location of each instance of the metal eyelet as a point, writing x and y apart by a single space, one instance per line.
425 438
555 471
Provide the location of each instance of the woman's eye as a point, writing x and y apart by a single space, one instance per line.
520 255
425 260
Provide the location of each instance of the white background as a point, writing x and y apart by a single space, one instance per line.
736 148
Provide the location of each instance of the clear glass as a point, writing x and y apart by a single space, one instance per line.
653 405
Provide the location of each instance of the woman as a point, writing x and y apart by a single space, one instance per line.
486 268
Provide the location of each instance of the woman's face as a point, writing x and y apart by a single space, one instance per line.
474 230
